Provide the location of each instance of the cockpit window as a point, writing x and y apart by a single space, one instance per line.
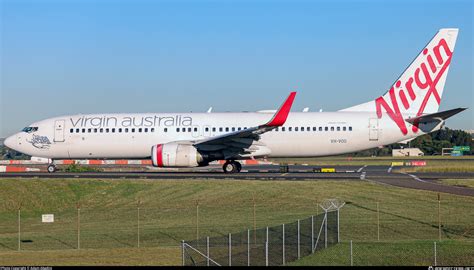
30 129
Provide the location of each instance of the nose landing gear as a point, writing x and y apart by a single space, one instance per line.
232 166
52 168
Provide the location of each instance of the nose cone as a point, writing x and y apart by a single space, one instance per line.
10 142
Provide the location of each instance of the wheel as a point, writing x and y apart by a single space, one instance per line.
239 166
230 167
51 168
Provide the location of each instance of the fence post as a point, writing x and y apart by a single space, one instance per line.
248 247
19 228
266 249
326 230
338 238
197 219
439 217
378 222
182 252
266 253
312 234
138 224
230 249
254 221
435 255
283 246
78 226
207 244
299 255
351 254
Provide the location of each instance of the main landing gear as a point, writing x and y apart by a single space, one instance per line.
232 166
52 168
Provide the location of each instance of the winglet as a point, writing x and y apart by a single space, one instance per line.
280 116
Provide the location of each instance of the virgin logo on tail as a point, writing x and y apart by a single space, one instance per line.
425 78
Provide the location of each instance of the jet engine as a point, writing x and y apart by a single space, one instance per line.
175 154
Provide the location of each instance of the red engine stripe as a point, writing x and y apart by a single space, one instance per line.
159 155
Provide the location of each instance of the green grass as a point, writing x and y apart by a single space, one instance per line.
117 256
407 253
458 182
442 168
466 161
109 213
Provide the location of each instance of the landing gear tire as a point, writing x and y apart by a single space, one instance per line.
51 168
239 166
232 167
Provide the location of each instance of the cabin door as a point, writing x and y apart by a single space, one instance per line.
373 129
59 131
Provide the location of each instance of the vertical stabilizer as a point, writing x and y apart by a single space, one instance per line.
419 89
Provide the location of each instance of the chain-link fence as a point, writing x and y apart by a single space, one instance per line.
268 246
380 230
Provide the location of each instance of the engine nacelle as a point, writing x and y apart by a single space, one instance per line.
176 155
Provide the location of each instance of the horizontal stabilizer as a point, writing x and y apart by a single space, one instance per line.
435 116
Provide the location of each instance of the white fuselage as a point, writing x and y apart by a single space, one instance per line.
133 135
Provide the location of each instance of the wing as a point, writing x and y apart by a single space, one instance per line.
245 143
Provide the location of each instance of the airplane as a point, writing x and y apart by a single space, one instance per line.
407 110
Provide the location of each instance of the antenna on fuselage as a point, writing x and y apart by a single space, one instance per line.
209 110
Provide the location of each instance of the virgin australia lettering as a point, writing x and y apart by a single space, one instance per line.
195 139
130 121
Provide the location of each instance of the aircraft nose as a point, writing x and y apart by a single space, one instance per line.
10 142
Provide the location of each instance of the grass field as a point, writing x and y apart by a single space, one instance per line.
110 220
405 253
462 161
458 182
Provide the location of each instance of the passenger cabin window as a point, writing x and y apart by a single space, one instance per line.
71 130
338 128
195 129
332 128
139 129
177 129
282 128
320 128
189 129
326 128
343 128
296 128
206 129
350 128
233 128
220 129
213 129
314 128
289 128
133 130
89 130
101 130
166 129
227 129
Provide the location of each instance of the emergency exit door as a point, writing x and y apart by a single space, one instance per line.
373 129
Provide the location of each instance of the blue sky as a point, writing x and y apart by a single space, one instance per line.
66 57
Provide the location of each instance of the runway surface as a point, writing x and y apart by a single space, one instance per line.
376 174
